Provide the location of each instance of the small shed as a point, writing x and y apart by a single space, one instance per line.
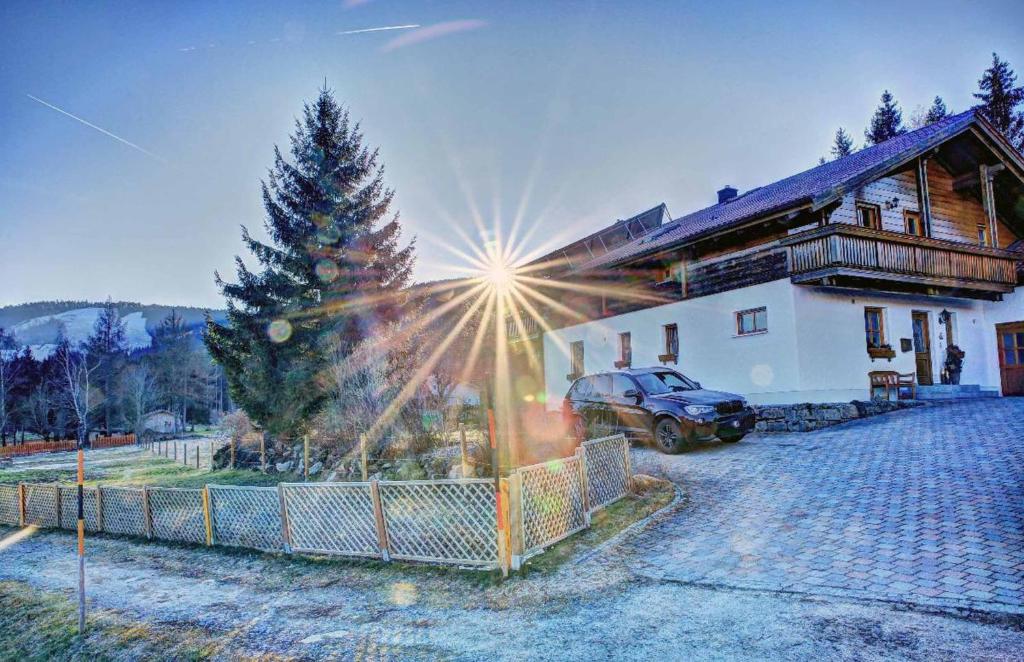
159 420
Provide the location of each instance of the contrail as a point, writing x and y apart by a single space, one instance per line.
386 27
100 129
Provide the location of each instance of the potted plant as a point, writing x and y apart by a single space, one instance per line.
954 363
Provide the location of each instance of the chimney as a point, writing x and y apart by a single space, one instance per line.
726 194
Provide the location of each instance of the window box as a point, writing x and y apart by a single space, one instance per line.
622 364
665 358
881 353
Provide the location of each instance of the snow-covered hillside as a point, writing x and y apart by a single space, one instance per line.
41 333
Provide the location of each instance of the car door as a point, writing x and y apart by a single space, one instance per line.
600 417
628 414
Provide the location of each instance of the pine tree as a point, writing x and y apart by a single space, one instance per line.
107 348
887 122
936 112
333 266
842 145
1000 98
174 362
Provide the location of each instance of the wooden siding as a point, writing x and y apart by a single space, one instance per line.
734 273
955 217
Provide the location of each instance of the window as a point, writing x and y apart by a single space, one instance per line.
600 385
874 327
869 216
671 343
621 384
749 322
575 359
625 351
912 223
656 383
983 235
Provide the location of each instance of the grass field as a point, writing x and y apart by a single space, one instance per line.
128 466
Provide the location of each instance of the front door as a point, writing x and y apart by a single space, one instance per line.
922 348
1011 357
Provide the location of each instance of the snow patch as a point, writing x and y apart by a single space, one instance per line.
39 333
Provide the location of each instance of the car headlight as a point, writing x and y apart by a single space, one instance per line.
699 410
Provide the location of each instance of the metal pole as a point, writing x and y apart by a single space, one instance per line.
81 536
305 457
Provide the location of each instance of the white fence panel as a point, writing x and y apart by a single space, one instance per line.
246 516
608 470
446 521
331 518
69 508
41 505
552 503
10 511
123 511
177 514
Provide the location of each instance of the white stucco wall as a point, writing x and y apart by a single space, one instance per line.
813 351
763 367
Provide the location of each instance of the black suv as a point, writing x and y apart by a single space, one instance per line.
656 403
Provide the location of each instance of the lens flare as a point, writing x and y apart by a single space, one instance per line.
279 330
327 271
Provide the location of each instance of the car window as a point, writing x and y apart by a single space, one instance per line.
621 384
602 384
581 389
657 383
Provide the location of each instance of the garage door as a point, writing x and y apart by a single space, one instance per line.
1011 357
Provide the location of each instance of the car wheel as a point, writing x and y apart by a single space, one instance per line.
669 437
731 438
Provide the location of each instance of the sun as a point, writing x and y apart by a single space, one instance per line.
499 275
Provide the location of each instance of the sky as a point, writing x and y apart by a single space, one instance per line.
564 115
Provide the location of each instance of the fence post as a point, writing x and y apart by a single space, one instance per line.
197 457
463 451
56 498
378 515
581 453
21 504
628 464
184 454
207 516
362 456
508 561
286 535
305 457
99 508
232 451
175 458
263 452
147 515
515 518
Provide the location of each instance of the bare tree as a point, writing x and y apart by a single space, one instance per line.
9 369
76 371
138 392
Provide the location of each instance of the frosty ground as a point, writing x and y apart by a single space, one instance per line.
762 556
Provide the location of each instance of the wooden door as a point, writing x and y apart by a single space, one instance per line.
1010 338
922 348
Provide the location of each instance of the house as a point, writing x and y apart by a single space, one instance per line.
159 420
795 291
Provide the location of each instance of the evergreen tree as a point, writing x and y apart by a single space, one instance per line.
333 268
174 362
842 145
936 112
887 122
1000 98
107 348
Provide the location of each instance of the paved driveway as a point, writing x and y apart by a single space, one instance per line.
922 505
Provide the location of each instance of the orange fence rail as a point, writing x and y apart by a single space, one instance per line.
31 447
114 441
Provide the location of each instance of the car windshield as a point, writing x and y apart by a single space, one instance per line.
656 383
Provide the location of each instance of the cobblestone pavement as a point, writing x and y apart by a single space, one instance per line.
923 505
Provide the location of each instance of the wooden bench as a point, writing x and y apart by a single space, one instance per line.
891 380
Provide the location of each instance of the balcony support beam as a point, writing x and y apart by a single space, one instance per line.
924 204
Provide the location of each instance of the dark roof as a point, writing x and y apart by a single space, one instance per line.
619 233
814 188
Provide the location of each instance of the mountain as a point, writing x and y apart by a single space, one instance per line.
38 324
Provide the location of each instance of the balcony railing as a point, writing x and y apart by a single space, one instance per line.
525 328
842 251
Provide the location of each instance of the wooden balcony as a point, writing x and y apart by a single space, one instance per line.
525 328
843 254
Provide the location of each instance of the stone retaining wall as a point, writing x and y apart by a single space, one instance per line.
806 416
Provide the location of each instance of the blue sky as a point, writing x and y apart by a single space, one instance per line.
570 115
